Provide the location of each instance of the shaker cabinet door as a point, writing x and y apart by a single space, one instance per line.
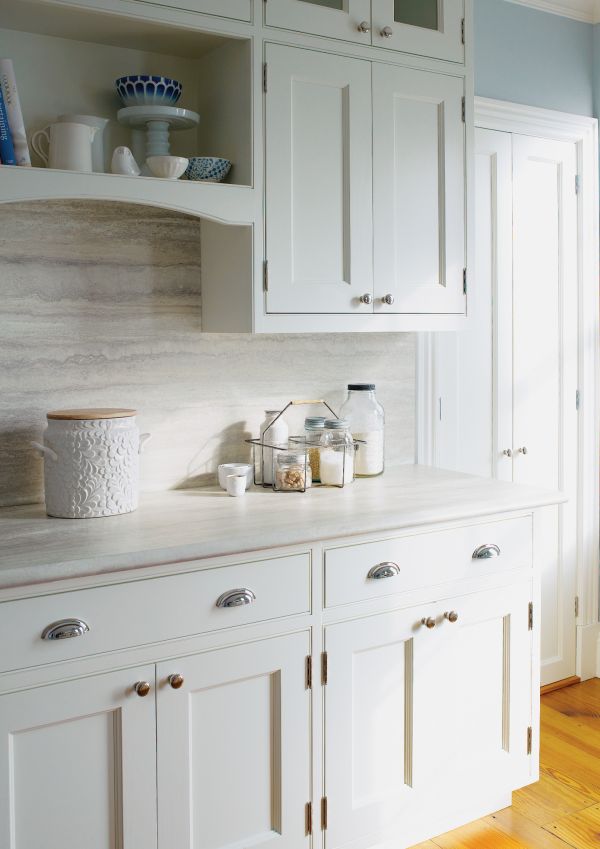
318 182
78 764
346 19
419 191
425 27
234 747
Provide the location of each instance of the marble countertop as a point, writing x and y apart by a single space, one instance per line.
194 524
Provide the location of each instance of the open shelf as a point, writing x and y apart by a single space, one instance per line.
66 60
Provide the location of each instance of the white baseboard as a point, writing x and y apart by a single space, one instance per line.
588 651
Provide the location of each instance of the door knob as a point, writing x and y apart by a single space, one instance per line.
142 688
367 298
507 452
176 680
388 299
522 450
428 622
387 32
364 26
451 616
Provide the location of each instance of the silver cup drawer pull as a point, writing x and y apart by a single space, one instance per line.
236 598
383 570
484 552
64 629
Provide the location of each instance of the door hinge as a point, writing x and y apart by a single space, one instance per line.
529 740
464 281
264 77
464 109
308 818
266 275
577 183
308 672
530 616
324 813
577 399
462 31
324 668
576 606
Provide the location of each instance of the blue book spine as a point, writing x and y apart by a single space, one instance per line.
7 150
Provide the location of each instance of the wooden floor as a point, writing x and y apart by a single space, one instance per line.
563 809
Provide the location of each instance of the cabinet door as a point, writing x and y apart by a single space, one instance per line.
419 190
319 186
347 19
426 27
234 747
78 764
239 10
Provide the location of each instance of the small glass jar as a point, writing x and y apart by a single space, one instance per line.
367 424
313 431
337 454
291 471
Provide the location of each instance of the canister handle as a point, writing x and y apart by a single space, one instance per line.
43 450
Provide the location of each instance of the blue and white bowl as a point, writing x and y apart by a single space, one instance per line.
211 168
147 90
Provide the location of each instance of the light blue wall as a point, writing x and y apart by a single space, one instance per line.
532 57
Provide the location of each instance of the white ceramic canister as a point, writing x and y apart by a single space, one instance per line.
91 462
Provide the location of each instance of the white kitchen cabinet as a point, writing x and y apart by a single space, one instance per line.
240 10
426 27
346 19
418 191
234 747
325 205
416 715
78 764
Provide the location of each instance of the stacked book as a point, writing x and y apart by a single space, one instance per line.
13 141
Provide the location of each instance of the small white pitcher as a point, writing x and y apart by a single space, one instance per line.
69 146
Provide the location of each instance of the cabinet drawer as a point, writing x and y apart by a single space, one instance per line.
153 610
426 559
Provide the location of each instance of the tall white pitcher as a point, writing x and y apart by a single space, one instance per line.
68 146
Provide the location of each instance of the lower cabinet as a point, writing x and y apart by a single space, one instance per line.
420 706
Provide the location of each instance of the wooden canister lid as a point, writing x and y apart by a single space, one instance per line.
91 414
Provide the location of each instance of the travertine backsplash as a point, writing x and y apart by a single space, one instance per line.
101 307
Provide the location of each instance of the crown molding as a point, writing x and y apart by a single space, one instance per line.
587 11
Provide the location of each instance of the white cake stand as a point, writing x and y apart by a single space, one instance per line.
157 121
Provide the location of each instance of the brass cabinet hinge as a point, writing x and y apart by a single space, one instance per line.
264 77
576 606
464 281
308 820
530 616
266 275
529 740
462 31
324 668
464 109
308 672
324 813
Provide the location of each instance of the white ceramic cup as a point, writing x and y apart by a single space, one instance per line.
69 146
98 141
236 485
226 469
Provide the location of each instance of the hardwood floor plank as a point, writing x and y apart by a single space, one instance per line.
513 824
551 798
478 835
560 685
580 830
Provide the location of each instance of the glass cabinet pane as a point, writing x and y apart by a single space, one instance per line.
417 13
329 4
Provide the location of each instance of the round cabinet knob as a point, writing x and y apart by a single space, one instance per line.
364 26
387 32
507 452
451 616
428 622
388 299
367 298
523 450
176 680
142 688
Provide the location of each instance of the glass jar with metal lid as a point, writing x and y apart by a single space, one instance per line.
367 424
337 453
313 431
291 471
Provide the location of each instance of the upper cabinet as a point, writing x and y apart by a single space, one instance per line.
239 10
432 28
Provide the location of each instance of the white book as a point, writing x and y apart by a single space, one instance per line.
10 93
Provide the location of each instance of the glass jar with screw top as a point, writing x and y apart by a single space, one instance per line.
337 454
367 424
313 431
292 472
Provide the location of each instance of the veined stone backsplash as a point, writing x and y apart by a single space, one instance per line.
101 307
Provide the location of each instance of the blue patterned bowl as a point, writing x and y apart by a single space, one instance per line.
146 90
211 168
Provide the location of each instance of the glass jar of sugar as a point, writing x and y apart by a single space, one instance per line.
337 454
367 425
313 431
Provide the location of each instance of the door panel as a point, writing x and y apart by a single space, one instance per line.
426 27
319 221
331 18
419 196
79 759
237 737
545 373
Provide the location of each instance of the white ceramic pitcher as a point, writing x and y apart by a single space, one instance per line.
69 146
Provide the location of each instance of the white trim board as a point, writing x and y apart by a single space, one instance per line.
587 11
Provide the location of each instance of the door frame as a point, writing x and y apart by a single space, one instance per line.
583 132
